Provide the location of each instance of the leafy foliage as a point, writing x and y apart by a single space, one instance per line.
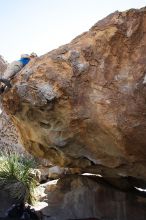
16 178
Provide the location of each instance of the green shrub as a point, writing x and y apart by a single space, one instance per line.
15 177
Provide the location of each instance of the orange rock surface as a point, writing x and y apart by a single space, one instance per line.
84 104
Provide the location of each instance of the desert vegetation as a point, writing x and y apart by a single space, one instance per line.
16 178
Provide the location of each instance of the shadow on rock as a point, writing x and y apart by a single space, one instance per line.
20 212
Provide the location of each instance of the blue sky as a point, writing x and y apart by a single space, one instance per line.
43 25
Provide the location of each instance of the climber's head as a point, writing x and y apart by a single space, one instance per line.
33 55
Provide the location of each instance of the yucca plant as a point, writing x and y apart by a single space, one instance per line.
15 177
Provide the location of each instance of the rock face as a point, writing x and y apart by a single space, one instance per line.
9 137
84 104
3 65
5 202
80 197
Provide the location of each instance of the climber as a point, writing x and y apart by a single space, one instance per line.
13 69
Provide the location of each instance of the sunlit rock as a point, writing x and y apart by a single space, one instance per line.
84 104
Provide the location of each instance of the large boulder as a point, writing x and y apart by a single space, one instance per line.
81 197
84 104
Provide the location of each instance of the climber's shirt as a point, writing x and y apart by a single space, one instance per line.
24 61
